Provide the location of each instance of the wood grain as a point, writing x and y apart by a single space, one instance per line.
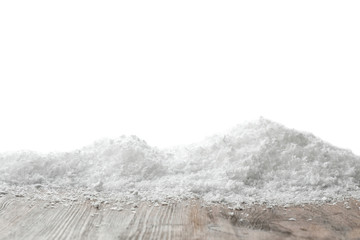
21 218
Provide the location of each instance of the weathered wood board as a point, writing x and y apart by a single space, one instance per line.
21 219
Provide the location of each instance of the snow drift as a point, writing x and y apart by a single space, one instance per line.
261 161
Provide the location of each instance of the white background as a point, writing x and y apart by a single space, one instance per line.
173 72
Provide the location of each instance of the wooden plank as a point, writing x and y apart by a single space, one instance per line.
22 218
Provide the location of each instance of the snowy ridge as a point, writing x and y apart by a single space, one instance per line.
261 161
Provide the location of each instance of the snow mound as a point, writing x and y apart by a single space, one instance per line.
264 161
113 162
260 161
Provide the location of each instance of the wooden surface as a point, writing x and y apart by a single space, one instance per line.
21 218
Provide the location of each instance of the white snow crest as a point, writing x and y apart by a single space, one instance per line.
260 161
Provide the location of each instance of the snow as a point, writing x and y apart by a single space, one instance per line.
256 162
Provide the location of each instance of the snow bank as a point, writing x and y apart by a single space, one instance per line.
260 161
113 162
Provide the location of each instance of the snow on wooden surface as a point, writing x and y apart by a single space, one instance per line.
261 161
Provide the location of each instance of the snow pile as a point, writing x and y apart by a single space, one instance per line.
114 162
260 161
264 161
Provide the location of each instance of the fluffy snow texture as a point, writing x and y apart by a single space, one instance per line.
260 161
